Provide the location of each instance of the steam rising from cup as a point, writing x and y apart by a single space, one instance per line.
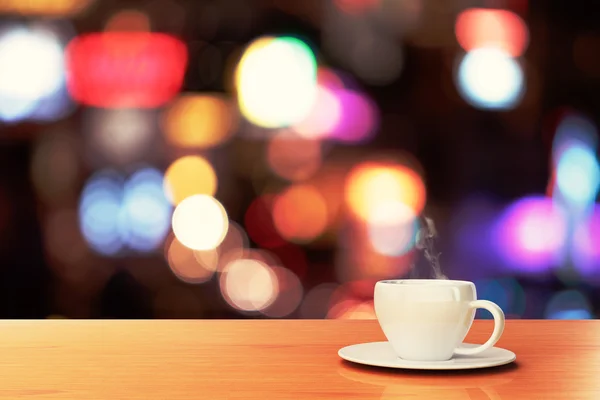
426 242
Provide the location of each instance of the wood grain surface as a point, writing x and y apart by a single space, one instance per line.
269 359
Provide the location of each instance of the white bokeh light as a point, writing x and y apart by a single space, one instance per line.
200 222
31 64
490 78
276 81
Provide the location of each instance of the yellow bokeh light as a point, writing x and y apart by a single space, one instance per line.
293 158
199 121
185 264
188 176
300 213
44 7
249 285
200 222
371 186
276 81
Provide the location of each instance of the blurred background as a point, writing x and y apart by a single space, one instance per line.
275 158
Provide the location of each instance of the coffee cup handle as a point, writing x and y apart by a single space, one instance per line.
498 328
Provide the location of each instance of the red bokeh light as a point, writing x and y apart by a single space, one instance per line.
293 258
125 69
476 28
356 6
259 224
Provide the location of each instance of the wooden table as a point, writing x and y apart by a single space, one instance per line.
170 360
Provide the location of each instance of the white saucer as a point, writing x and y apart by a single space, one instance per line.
381 354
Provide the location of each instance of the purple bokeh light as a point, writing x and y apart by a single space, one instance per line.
586 246
531 234
359 117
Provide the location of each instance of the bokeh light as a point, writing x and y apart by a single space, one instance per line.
531 234
293 158
300 213
585 251
393 229
492 28
233 246
578 175
249 285
506 292
359 119
377 59
316 302
115 214
200 222
188 176
199 121
575 170
276 81
323 117
356 7
258 221
489 78
568 304
357 259
292 257
125 69
371 186
120 136
48 8
99 212
187 266
31 69
145 212
289 295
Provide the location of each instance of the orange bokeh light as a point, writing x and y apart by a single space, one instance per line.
371 186
188 176
477 27
293 158
53 8
300 213
188 266
199 121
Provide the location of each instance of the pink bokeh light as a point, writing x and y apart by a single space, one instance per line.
531 235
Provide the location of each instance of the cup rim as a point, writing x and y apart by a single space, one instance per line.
430 282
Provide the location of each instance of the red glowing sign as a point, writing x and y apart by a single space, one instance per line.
125 69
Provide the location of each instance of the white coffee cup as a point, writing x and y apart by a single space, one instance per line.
427 319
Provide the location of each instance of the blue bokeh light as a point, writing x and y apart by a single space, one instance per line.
116 215
147 211
568 304
578 175
99 211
